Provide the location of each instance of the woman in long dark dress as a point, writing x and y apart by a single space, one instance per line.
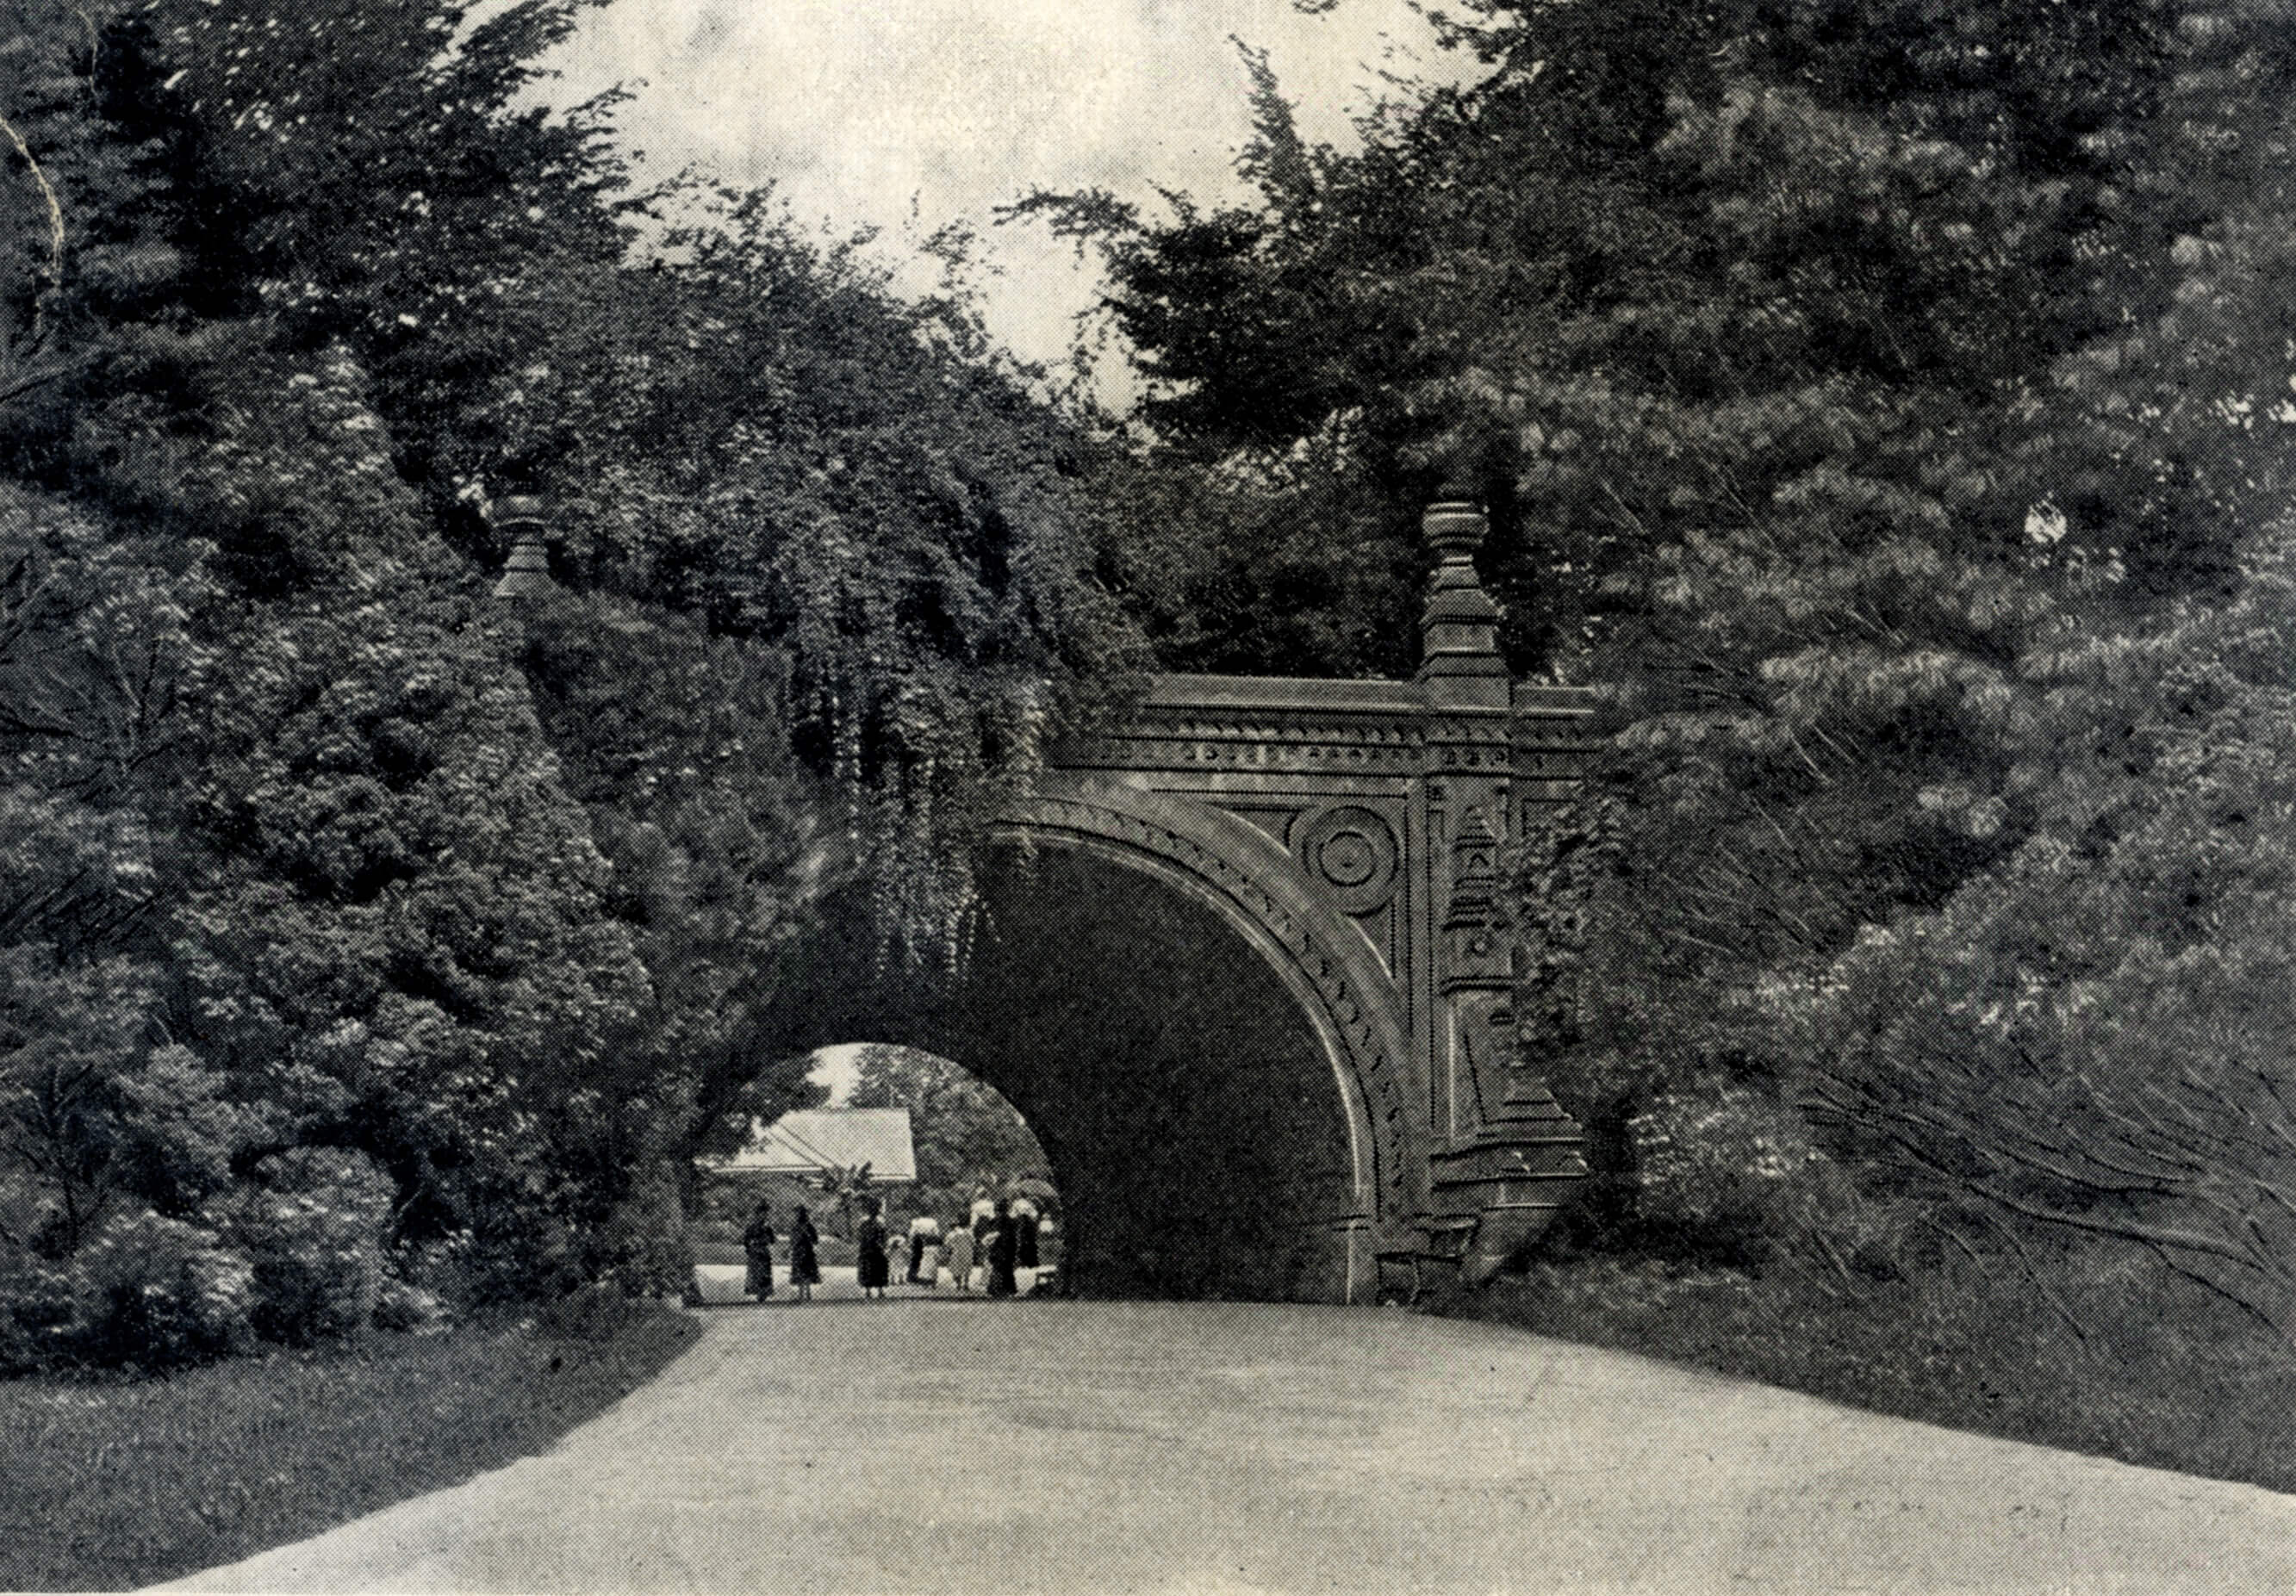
1024 1229
1004 1252
805 1262
869 1263
757 1248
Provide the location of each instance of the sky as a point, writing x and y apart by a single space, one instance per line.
904 115
838 1069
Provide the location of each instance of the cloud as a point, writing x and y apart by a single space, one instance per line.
913 113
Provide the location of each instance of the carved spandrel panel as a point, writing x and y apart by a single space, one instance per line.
1384 927
1353 853
1390 805
1482 1049
1274 819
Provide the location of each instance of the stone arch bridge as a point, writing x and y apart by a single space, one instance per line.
1348 834
1247 977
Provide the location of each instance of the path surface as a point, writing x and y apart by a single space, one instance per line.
929 1446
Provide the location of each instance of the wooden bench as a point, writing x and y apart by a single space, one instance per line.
1436 1245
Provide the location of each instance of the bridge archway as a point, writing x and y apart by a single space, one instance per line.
1170 1017
1324 861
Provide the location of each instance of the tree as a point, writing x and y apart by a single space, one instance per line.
1877 400
375 920
383 869
2093 1038
1811 358
792 456
718 846
1385 307
964 1130
395 918
96 664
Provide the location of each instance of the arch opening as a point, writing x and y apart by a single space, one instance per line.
1193 1116
955 1146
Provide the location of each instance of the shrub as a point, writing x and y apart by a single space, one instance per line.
39 1310
511 1255
644 1248
158 1293
600 1310
408 1308
313 1228
1716 1163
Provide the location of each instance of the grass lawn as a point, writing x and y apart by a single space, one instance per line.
117 1484
2179 1383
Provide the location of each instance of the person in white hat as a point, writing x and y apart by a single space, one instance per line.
924 1238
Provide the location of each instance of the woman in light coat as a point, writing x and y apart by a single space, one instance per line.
960 1257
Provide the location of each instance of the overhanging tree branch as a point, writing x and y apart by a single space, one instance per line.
55 226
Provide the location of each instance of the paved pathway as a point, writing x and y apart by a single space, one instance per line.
925 1445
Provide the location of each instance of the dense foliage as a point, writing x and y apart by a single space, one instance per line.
1885 404
371 945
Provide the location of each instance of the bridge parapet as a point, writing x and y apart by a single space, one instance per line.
1387 806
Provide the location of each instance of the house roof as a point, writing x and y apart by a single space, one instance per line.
812 1139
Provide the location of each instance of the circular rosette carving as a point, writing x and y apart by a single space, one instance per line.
1352 852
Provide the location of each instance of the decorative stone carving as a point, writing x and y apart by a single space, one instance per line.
1353 831
1274 819
1353 851
1459 631
526 574
1474 949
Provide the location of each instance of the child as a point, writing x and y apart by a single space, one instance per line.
960 1257
924 1238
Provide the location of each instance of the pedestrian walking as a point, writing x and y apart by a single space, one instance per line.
960 1257
1003 1251
757 1248
1024 1229
982 1215
805 1258
924 1236
869 1264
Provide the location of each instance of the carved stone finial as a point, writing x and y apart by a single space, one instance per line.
526 574
1459 649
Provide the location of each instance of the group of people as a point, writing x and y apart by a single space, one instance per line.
998 1237
757 1241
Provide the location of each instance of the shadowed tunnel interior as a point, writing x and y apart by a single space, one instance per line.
1193 1120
